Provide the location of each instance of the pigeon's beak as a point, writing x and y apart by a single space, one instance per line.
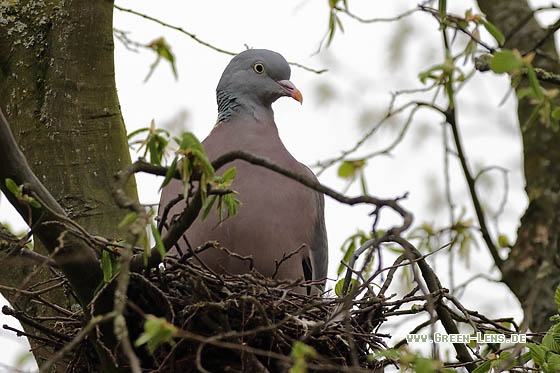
291 90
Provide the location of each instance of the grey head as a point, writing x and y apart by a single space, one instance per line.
253 80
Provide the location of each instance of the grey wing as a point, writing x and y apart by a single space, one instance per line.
319 253
319 246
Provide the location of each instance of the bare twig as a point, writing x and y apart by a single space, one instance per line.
200 41
285 257
24 319
75 341
376 20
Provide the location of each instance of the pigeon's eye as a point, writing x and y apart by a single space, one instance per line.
258 68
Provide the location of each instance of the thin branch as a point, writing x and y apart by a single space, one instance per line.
75 341
176 28
391 112
285 257
549 32
377 20
200 41
456 23
177 228
451 120
30 336
24 319
434 285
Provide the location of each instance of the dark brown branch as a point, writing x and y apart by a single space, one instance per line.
450 119
24 319
444 316
313 184
177 228
549 32
30 336
455 23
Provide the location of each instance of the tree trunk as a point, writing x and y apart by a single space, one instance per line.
58 92
532 269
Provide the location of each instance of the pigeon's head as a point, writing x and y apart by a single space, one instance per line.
258 76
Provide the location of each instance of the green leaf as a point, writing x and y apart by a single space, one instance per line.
137 132
231 204
31 201
346 170
301 351
229 175
553 363
209 204
157 331
169 174
524 92
423 365
13 187
503 241
484 367
537 353
503 360
349 168
532 77
494 31
429 74
557 297
189 141
109 265
338 287
128 219
348 251
332 28
505 61
552 338
163 50
533 117
340 284
159 242
193 150
156 146
523 359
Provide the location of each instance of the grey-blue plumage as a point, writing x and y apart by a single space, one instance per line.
278 215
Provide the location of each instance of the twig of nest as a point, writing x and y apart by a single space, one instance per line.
250 323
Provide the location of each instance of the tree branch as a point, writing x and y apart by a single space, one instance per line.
177 229
482 64
450 119
443 313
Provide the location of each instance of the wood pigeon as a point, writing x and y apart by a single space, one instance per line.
277 215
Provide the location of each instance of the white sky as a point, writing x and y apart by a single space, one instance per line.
362 74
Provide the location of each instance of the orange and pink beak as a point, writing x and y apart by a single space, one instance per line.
291 90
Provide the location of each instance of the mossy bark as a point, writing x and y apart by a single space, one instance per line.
532 269
58 92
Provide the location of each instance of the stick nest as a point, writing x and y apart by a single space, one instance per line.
247 323
226 323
